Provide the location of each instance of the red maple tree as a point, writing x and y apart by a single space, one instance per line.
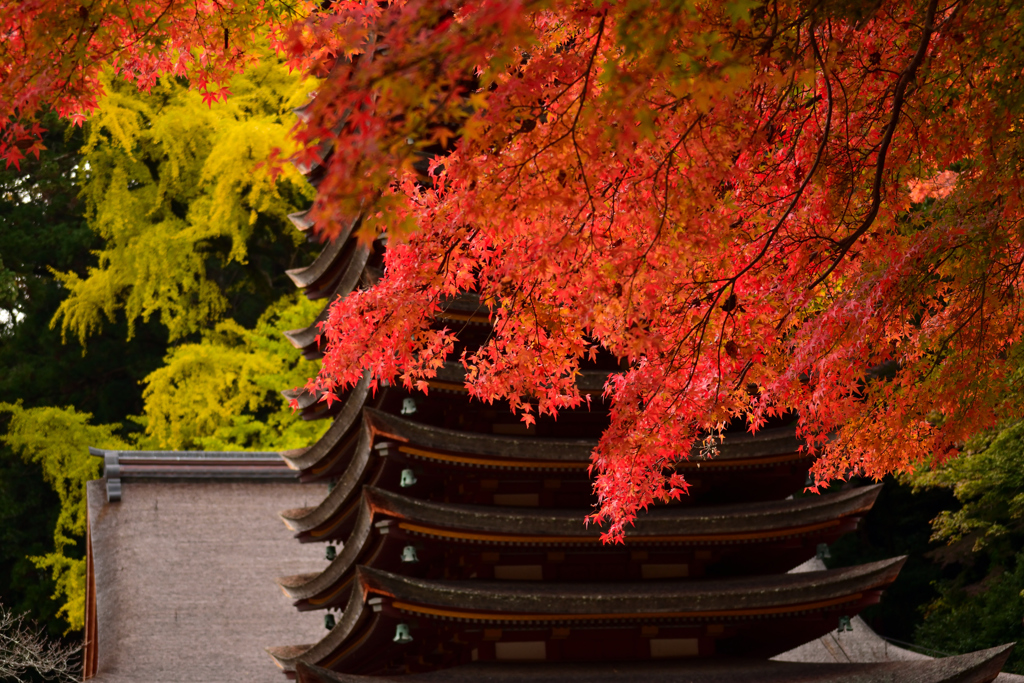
760 207
52 52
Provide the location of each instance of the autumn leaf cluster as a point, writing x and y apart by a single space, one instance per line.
761 209
52 54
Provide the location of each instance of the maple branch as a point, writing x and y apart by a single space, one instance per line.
579 110
455 243
664 163
898 98
731 282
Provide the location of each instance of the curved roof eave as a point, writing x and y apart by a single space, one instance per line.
326 261
661 521
549 601
286 657
339 567
778 515
349 485
307 336
346 420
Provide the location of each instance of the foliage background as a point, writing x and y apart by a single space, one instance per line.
962 528
154 237
142 290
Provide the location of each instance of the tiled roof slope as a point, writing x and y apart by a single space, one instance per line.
183 573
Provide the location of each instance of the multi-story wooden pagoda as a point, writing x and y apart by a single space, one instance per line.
456 547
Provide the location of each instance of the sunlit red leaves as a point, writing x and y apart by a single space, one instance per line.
638 180
936 187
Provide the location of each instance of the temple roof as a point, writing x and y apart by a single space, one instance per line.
975 667
183 577
721 524
521 603
481 600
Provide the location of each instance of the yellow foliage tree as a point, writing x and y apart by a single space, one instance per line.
59 439
178 192
219 394
223 392
176 187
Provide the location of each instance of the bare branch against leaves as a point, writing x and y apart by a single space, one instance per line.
25 649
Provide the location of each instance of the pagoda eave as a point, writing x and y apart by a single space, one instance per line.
301 220
975 667
470 533
356 269
553 602
327 265
336 439
559 469
502 620
744 521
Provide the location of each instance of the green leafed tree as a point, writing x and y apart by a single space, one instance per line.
9 309
968 618
179 192
988 480
984 603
